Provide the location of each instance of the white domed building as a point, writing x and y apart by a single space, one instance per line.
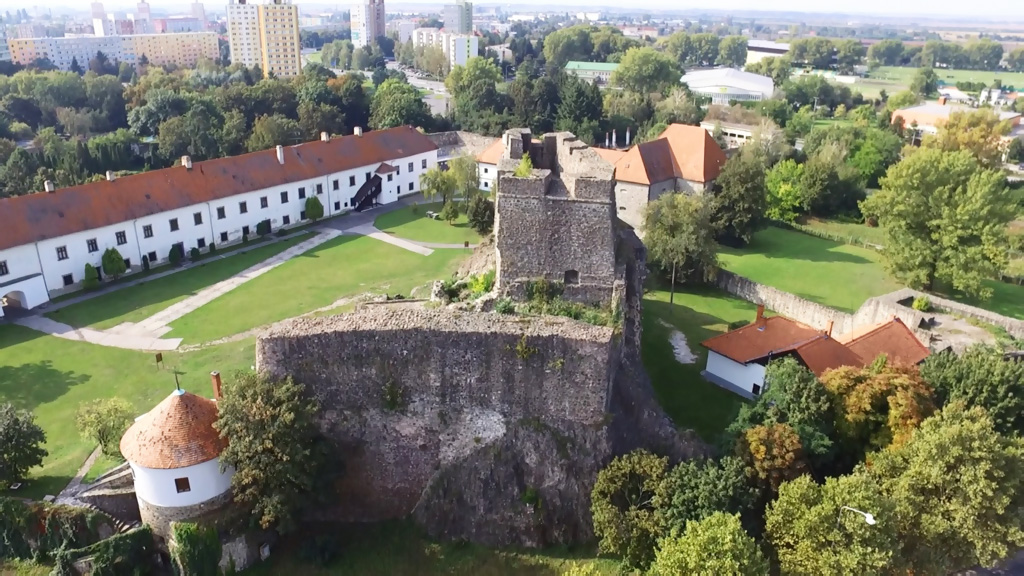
174 453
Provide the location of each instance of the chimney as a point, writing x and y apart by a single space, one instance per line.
828 331
110 175
186 161
48 186
615 139
627 137
607 140
325 137
215 379
280 154
760 320
942 100
359 131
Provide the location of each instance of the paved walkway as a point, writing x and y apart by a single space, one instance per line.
372 232
72 489
128 342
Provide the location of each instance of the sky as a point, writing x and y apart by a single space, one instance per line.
998 10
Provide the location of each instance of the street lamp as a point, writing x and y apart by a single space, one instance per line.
870 519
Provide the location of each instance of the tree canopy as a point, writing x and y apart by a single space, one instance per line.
680 238
21 444
710 547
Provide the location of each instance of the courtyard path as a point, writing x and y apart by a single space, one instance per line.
99 337
371 231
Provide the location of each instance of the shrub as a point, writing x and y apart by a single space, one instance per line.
505 306
40 531
450 212
104 421
314 209
281 233
871 221
113 263
481 284
481 214
126 553
196 550
263 228
543 291
922 304
194 253
89 280
175 255
737 324
245 237
145 261
213 248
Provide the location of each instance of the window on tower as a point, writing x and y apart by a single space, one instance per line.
182 485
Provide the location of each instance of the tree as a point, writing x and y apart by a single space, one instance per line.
813 535
785 199
572 43
885 53
813 52
462 79
778 68
21 444
958 487
113 263
273 446
925 82
436 182
945 219
679 236
467 177
678 108
979 132
314 208
622 505
732 51
1015 60
481 214
76 67
800 124
738 205
579 108
397 104
317 118
101 64
773 453
271 131
984 54
709 547
696 489
849 53
104 422
980 377
449 212
525 167
645 71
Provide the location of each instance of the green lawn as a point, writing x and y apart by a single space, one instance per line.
315 57
142 301
399 549
830 273
345 266
855 231
411 223
52 377
903 76
691 401
101 466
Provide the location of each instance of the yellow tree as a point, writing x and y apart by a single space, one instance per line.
979 132
774 453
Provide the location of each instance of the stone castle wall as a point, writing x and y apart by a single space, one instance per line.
159 518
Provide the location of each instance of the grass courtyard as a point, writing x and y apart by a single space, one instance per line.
411 223
142 301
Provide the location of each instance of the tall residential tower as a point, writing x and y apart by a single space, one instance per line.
367 22
266 35
458 17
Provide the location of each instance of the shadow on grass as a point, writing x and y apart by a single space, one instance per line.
1007 299
29 385
399 548
775 243
36 487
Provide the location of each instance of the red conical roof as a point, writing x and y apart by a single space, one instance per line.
177 433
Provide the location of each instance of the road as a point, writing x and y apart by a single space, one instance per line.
436 97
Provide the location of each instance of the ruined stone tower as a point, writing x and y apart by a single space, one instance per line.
558 223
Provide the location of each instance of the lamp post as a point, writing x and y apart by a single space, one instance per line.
870 519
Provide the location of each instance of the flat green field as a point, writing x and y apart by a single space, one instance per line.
411 223
905 75
345 266
690 401
399 549
142 301
833 274
52 377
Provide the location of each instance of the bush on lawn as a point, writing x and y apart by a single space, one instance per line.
314 209
245 237
213 248
89 280
113 263
481 214
263 228
175 255
145 262
194 253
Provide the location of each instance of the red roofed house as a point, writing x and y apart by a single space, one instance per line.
737 359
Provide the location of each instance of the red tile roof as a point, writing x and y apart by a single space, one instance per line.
177 433
686 152
492 153
41 216
892 338
384 168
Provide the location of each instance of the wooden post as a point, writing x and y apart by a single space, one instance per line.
159 359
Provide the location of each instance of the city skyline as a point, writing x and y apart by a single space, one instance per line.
922 9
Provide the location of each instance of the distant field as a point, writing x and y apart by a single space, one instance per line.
903 76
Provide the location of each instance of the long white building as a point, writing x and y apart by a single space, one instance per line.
50 236
458 48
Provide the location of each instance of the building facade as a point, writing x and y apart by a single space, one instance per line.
27 30
180 49
184 49
458 17
368 22
177 24
758 50
50 236
5 52
458 48
244 33
280 46
601 72
724 85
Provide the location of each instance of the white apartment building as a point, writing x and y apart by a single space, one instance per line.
244 33
5 53
50 236
184 49
459 48
458 17
368 22
103 27
404 29
143 19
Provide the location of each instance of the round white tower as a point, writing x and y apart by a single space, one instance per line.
173 451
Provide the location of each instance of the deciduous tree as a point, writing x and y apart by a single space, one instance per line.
397 104
774 454
645 71
271 131
732 51
438 183
981 376
104 422
622 505
738 204
680 237
710 547
21 444
979 132
785 200
696 489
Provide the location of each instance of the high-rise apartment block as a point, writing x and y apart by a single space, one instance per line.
179 49
368 22
266 35
97 11
458 17
458 48
5 53
143 19
199 13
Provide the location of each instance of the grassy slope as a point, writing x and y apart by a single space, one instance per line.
399 549
345 266
52 377
405 223
142 301
689 400
826 272
849 230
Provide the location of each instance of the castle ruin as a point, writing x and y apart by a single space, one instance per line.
490 427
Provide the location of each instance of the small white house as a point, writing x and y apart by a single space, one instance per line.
174 454
737 359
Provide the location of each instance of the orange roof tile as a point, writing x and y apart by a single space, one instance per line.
892 338
686 152
384 168
41 216
492 153
824 353
177 433
608 155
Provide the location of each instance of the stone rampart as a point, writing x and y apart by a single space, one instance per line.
159 518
